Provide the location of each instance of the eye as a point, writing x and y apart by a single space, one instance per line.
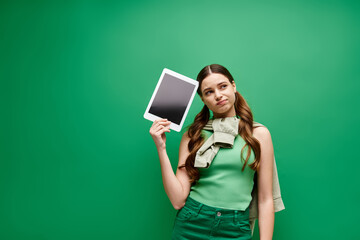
223 86
207 92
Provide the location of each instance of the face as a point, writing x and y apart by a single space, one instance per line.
218 94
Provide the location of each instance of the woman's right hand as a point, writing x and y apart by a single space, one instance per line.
157 132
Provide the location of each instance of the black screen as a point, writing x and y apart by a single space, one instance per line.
172 99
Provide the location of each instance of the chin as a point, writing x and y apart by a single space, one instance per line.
223 112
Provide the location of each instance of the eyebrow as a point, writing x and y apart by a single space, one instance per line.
210 87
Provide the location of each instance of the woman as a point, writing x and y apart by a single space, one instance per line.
214 179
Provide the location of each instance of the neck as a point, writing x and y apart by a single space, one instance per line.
224 115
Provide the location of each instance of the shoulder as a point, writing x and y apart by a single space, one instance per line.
262 133
204 133
185 137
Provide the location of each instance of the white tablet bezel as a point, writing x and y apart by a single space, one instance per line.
152 117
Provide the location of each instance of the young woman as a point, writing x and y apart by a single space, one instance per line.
212 186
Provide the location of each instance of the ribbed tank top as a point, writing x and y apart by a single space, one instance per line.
223 184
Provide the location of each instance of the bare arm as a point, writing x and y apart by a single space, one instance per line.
265 196
177 187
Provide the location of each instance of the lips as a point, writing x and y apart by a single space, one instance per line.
222 102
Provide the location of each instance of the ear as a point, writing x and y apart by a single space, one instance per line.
234 85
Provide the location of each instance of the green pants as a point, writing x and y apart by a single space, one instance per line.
197 221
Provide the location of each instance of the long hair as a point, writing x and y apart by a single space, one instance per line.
242 110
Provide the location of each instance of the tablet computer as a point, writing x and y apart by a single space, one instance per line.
172 98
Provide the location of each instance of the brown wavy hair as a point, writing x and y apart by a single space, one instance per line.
242 110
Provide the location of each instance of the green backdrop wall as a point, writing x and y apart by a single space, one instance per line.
77 160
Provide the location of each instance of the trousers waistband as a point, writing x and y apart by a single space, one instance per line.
209 210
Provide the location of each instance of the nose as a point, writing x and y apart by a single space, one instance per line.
217 95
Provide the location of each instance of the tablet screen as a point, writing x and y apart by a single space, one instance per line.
172 98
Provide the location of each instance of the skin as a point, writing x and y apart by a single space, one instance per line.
218 94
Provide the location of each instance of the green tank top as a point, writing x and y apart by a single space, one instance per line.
223 184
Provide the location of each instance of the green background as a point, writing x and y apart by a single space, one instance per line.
77 160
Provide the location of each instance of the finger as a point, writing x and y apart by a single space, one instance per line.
159 127
163 120
161 131
157 121
155 128
163 123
